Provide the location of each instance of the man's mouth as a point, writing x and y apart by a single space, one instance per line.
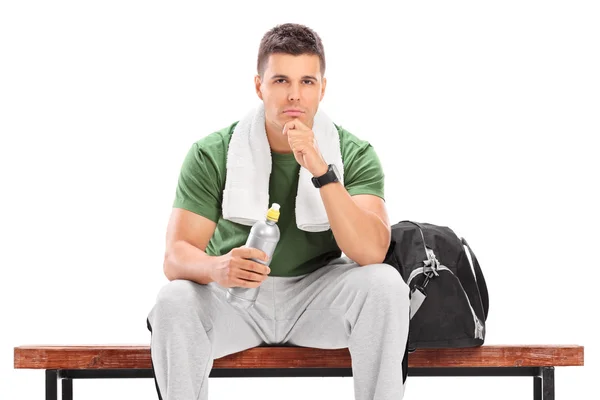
293 113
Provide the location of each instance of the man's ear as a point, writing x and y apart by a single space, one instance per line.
257 84
323 85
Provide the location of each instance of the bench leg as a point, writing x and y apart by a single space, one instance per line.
52 377
51 384
543 385
67 389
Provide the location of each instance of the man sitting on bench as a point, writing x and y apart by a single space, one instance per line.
309 295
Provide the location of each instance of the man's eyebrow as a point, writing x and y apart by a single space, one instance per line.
279 76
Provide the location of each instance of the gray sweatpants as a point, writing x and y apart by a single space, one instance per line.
339 305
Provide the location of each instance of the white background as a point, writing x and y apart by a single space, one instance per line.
484 114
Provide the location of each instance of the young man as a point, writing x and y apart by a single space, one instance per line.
309 295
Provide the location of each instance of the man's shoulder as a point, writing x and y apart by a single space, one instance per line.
350 144
217 142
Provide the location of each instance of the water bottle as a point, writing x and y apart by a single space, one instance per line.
264 236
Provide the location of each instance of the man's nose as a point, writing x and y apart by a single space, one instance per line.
294 93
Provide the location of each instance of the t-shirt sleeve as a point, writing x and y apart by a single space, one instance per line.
363 173
198 189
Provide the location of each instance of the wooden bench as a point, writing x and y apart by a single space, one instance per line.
67 363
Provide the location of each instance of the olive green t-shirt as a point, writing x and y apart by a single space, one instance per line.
202 181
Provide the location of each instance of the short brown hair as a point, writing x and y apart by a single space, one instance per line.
291 39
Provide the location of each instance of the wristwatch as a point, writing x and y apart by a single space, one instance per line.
332 175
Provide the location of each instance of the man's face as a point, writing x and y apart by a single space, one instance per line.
292 87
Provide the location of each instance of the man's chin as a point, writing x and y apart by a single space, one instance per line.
283 119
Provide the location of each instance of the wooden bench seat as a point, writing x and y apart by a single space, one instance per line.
66 363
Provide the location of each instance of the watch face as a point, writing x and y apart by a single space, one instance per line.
332 175
335 171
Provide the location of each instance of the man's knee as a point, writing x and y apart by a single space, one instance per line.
177 298
384 280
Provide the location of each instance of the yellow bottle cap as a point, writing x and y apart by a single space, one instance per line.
273 213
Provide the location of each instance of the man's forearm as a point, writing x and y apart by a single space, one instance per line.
359 233
185 261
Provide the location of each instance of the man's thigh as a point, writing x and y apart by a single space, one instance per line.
319 310
229 329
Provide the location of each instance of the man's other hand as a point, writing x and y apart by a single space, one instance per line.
236 269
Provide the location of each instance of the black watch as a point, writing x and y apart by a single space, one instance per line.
332 175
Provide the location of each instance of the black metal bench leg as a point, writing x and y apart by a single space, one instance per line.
51 384
67 389
537 388
548 383
543 385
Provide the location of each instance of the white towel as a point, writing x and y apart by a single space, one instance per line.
246 193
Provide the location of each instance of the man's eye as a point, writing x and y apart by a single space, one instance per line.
309 82
280 81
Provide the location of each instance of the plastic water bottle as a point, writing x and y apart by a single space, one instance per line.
264 236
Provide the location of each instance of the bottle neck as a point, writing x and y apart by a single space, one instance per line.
270 221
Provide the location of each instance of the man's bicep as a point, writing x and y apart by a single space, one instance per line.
190 227
374 204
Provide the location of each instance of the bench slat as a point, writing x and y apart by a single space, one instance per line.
138 357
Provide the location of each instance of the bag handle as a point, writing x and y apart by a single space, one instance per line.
425 254
483 291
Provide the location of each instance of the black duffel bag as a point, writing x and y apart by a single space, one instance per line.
449 304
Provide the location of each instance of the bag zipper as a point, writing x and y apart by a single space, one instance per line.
478 334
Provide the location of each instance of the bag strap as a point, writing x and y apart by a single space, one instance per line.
483 291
